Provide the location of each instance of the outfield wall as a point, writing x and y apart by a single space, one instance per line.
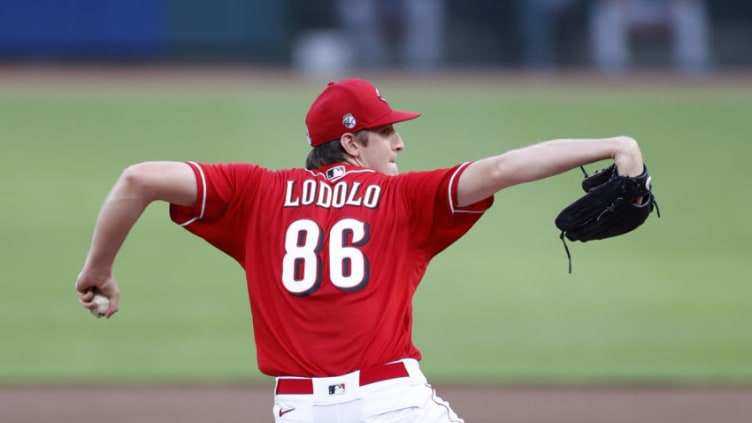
474 32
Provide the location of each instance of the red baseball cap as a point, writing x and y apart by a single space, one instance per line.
349 106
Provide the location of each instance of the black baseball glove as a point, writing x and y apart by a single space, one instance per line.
612 205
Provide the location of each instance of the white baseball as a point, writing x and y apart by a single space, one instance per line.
102 302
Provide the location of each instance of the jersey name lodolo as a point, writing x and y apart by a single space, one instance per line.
339 195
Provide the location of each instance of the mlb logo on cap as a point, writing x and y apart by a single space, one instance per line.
349 106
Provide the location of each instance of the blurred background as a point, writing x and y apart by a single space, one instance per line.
670 303
611 36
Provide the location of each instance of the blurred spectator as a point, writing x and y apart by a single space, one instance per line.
538 21
614 21
394 32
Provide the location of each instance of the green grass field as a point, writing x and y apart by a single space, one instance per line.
669 303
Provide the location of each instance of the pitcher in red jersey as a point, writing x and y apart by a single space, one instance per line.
334 252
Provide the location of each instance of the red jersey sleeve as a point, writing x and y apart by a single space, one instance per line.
437 221
224 191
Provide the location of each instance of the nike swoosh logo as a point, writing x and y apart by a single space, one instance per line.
283 412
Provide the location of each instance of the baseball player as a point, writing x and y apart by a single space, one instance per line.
334 252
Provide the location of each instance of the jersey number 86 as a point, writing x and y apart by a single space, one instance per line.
302 264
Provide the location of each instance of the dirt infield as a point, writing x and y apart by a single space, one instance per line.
251 404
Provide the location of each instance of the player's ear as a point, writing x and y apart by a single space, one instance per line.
350 144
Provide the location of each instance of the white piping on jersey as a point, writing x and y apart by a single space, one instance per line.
451 198
203 194
452 206
316 173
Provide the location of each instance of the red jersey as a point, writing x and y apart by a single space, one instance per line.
332 256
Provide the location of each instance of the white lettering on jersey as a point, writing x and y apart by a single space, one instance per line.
321 194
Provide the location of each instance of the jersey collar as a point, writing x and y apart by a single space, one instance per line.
335 171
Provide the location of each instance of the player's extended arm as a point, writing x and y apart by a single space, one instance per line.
138 186
485 177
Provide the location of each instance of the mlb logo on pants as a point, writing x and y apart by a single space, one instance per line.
337 389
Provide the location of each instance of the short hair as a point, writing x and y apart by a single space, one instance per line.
331 152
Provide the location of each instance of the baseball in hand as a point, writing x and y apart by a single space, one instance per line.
102 302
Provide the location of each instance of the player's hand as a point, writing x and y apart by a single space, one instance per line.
628 158
86 285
